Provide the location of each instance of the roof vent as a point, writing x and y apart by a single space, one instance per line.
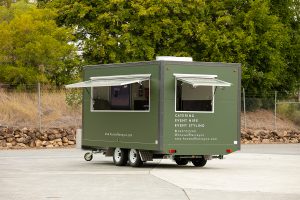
174 58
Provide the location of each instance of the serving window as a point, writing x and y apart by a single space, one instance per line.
189 98
195 92
128 97
129 92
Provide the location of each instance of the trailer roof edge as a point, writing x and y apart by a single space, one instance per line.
130 64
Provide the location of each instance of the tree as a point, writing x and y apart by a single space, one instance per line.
288 12
244 31
32 42
6 3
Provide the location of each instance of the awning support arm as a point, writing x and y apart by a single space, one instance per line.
88 92
215 90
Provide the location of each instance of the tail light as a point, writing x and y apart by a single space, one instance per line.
229 150
171 151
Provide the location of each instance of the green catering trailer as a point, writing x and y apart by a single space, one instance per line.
184 110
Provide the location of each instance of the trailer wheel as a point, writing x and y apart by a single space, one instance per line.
120 157
181 161
88 156
134 158
199 162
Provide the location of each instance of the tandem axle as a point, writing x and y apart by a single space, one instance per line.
136 157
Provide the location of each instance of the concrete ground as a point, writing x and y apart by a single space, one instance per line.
257 172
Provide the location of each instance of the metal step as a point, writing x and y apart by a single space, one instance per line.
146 155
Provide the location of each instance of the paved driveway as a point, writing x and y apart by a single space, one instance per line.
257 172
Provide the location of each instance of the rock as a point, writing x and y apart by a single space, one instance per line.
24 130
51 137
71 142
71 137
32 144
294 140
38 135
50 146
70 132
58 140
64 134
3 143
10 139
45 143
44 136
8 135
9 145
32 135
54 131
38 143
21 145
10 130
265 141
286 140
65 140
256 133
14 143
21 140
281 140
59 143
18 132
65 144
58 136
1 137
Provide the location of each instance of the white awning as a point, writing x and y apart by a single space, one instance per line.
201 80
100 81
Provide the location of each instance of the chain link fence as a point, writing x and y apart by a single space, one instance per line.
270 111
39 106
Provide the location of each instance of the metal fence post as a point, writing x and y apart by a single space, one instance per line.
244 99
275 110
39 107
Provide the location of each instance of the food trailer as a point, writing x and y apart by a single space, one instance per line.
169 108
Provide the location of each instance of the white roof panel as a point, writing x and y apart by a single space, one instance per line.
174 58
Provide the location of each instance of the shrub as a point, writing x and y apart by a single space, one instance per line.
74 97
290 111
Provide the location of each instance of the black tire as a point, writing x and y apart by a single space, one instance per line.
181 161
199 162
88 156
134 158
120 157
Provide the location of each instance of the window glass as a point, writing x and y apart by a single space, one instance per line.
189 98
127 97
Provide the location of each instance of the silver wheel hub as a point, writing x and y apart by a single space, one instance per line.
132 155
118 154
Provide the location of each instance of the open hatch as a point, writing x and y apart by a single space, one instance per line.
118 93
195 92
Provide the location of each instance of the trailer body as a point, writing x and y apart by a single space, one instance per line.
168 107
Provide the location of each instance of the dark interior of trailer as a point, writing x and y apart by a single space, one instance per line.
189 98
126 97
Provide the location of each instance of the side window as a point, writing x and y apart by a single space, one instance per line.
131 97
189 98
